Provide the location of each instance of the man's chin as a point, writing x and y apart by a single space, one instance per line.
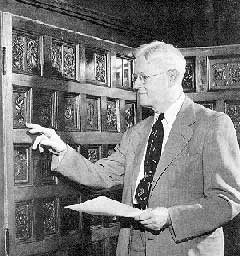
144 102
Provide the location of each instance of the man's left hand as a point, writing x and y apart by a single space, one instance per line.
154 219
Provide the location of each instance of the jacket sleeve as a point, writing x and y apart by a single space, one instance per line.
221 176
105 173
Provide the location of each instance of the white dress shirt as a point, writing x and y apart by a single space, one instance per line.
169 118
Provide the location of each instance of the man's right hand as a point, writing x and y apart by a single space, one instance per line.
47 137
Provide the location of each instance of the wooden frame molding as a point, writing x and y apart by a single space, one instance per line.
95 17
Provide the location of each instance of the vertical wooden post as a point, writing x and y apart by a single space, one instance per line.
6 142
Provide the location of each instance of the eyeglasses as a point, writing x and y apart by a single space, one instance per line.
142 77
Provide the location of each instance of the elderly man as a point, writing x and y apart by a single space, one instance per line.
180 166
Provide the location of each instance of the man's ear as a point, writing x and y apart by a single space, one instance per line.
172 76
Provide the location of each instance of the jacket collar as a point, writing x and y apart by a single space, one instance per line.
179 136
178 139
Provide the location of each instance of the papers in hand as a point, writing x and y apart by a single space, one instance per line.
105 206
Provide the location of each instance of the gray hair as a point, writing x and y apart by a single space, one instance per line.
172 57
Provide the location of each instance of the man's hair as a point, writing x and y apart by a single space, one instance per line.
171 56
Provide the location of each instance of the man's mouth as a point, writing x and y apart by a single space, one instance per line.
142 92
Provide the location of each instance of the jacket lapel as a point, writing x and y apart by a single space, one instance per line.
141 142
178 139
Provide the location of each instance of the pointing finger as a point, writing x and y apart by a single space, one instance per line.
35 128
38 141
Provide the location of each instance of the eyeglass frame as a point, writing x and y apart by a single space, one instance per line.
142 77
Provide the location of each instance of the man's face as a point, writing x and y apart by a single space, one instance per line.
152 83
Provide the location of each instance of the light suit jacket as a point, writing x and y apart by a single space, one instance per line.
197 178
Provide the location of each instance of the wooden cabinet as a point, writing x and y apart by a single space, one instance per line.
80 86
59 76
213 79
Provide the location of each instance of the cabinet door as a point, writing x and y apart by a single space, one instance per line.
65 81
212 79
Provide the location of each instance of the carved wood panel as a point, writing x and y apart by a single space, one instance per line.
21 107
42 168
46 217
112 118
93 114
224 73
69 220
96 66
68 112
63 80
130 114
91 152
44 108
232 108
63 59
123 72
24 221
26 52
188 82
206 104
22 165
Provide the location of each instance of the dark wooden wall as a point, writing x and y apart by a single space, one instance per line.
185 23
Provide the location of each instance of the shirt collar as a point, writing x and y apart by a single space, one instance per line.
172 111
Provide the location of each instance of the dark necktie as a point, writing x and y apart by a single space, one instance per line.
151 160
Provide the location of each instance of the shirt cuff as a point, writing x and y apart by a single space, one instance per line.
56 159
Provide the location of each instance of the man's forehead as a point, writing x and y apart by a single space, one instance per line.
148 67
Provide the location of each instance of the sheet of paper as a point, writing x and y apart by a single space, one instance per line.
105 206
